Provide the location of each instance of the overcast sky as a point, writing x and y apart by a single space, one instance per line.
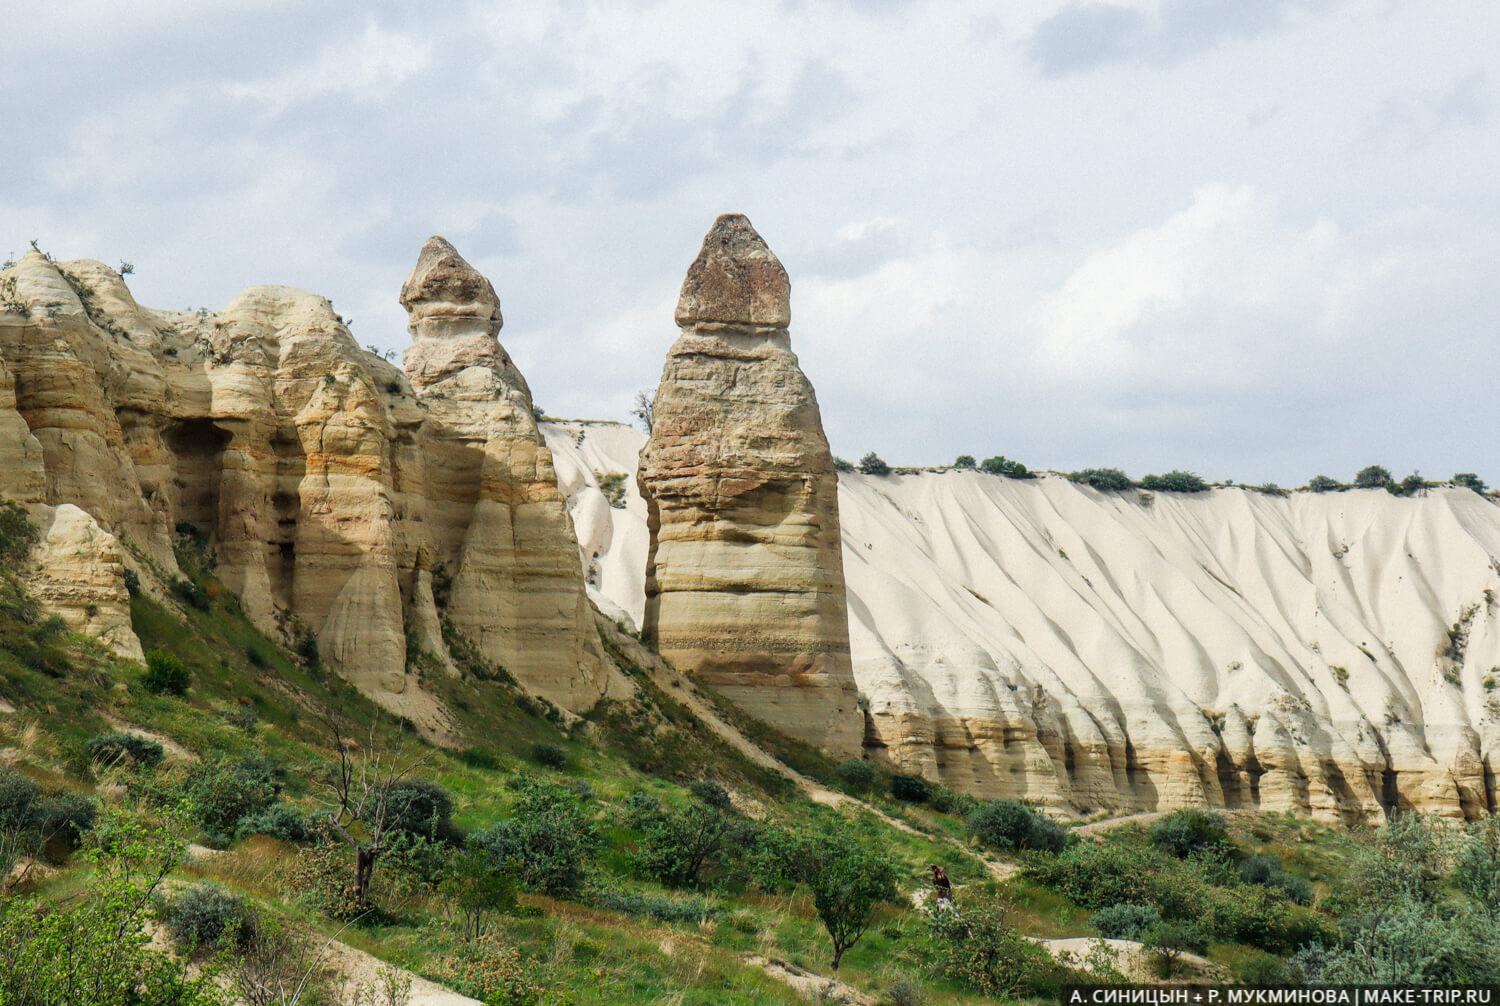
1253 239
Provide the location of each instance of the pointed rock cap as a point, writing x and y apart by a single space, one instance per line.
443 285
735 280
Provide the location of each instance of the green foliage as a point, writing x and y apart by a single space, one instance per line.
124 749
1468 480
982 950
1372 477
681 845
549 842
192 593
1125 921
1190 832
279 821
637 905
19 797
964 461
1324 484
1268 872
18 535
475 890
1476 870
1104 479
858 774
849 883
222 791
612 485
711 793
165 674
1169 941
1011 826
910 788
1411 485
66 816
549 755
871 464
1005 466
207 916
419 807
1174 482
839 464
132 582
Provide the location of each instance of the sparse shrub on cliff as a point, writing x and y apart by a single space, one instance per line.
18 535
1124 921
857 774
191 593
1408 486
165 674
964 461
1468 480
132 582
612 485
1104 479
910 788
1012 826
1174 482
1372 477
839 464
1001 465
130 750
1324 484
871 464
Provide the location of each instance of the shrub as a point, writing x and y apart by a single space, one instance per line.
1125 921
165 674
871 464
1168 942
1174 482
1008 825
840 465
1190 831
1097 874
549 755
1468 480
191 593
1104 479
1267 871
124 749
419 807
848 883
548 841
1323 484
132 582
857 774
280 821
206 916
982 950
612 486
19 797
964 461
691 911
223 791
1005 466
67 817
1412 484
910 788
711 793
1372 477
18 535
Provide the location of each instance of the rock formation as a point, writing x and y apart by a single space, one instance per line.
744 577
332 491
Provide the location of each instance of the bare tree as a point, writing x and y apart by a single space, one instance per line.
643 408
361 812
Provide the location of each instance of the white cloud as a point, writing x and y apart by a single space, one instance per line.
366 68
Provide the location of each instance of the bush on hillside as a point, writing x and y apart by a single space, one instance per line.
549 755
1372 477
840 465
19 797
910 788
857 774
1104 479
1001 465
1324 484
964 461
1190 831
419 807
1011 826
1267 871
165 674
711 793
1468 480
205 916
1174 482
871 464
66 817
548 842
18 535
279 821
130 750
983 951
681 846
1124 921
223 791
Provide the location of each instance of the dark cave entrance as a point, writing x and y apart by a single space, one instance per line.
197 447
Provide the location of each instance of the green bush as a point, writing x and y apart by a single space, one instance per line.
1005 466
1372 477
1174 482
681 845
19 797
1468 480
207 916
1011 826
419 807
191 593
1191 831
67 817
165 674
18 535
1125 921
910 788
124 749
871 464
711 793
1324 484
1412 484
280 821
1169 941
964 461
549 755
132 582
1104 479
839 464
1268 872
548 841
857 774
223 791
983 951
654 906
1097 874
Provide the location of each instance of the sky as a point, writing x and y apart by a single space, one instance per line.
1256 241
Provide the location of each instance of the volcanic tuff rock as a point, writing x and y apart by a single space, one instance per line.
744 578
335 495
1328 653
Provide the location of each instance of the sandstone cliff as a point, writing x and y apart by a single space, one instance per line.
1335 654
744 579
334 493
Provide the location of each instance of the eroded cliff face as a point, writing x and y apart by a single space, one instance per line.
1333 654
333 490
744 577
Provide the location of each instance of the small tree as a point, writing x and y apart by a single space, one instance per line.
1169 942
1174 482
871 464
17 534
644 411
964 461
1468 480
681 844
848 885
1323 484
1104 479
1372 477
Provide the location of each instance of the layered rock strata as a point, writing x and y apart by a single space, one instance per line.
744 578
335 494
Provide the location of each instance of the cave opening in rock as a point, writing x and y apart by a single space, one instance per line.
197 447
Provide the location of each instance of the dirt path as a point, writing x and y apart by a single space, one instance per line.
360 968
1110 824
809 985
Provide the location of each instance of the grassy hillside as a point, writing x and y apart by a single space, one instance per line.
632 856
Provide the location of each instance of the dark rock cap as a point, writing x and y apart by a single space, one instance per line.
735 280
443 283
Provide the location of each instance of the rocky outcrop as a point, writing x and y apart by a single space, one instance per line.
744 577
1333 654
334 493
